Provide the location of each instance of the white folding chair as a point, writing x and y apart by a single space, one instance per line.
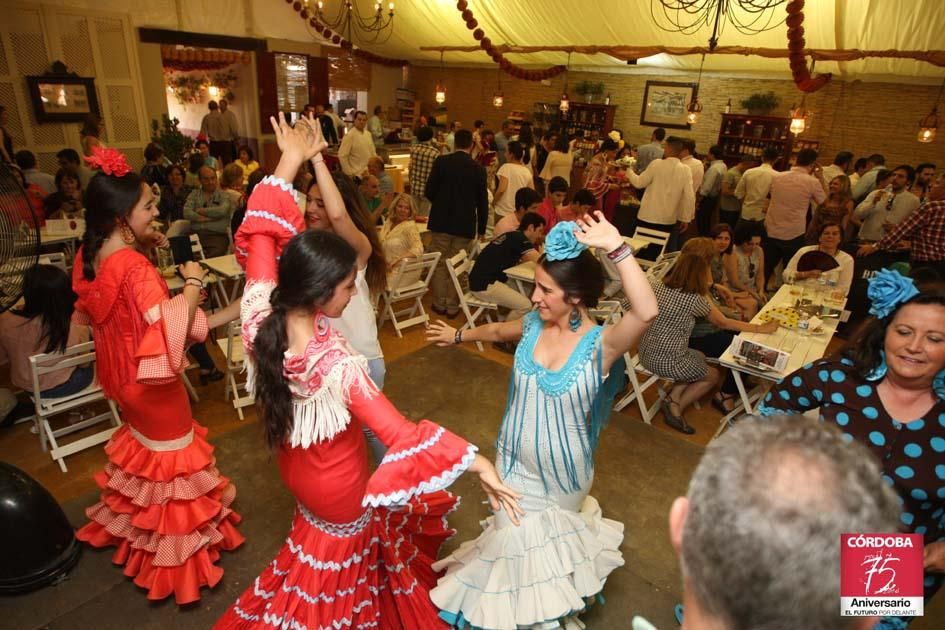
410 281
652 237
57 259
606 312
662 266
79 355
635 372
458 267
232 347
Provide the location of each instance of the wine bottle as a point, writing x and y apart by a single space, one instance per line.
728 107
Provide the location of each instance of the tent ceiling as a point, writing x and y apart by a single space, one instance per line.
829 24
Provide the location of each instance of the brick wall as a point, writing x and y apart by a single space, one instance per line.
860 117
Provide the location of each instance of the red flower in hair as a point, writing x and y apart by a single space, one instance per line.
109 161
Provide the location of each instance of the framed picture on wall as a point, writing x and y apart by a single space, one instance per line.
664 104
62 99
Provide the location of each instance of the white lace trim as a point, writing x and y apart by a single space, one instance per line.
324 414
330 565
278 182
341 530
264 214
407 452
435 483
162 446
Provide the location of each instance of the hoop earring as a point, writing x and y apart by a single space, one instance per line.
574 320
878 372
127 234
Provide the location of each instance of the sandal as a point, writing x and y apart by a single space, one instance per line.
677 422
719 400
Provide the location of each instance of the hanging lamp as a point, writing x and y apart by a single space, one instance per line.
440 89
928 126
800 117
497 99
564 104
694 108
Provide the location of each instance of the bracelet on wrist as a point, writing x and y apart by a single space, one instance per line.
622 252
192 283
200 280
458 337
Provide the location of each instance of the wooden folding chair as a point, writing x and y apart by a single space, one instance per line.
232 347
473 308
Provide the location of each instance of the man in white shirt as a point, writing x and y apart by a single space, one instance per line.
669 202
786 221
339 126
376 128
450 137
755 185
708 196
884 209
864 186
688 158
841 166
646 153
357 147
26 160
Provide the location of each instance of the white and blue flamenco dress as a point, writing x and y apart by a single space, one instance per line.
543 573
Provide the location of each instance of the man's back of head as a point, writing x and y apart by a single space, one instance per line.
759 532
463 140
877 159
213 106
658 134
843 159
806 157
673 146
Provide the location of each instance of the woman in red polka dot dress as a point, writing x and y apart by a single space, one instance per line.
164 504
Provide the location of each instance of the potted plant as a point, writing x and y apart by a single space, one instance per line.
761 104
175 144
589 89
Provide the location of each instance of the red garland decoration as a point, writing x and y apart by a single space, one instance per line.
507 66
796 43
338 40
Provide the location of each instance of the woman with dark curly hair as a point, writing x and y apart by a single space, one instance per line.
887 391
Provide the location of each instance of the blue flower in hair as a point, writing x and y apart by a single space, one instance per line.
561 244
887 290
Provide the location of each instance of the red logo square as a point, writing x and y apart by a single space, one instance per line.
881 574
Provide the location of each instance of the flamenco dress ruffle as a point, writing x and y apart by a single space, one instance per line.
373 572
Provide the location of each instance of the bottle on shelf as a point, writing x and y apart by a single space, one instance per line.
728 107
607 100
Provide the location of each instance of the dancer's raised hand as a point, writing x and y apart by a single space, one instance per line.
441 334
318 142
296 144
501 497
596 231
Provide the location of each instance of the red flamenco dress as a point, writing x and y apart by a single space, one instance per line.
361 546
164 504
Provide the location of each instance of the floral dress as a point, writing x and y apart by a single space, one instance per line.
910 451
361 545
542 573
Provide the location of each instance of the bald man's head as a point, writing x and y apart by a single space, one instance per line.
208 179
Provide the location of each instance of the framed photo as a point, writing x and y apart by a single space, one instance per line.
62 98
664 104
759 356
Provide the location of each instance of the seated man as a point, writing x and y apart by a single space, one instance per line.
526 200
487 280
375 167
556 196
377 202
786 485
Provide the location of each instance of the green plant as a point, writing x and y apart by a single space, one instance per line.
761 102
589 87
224 81
187 87
176 145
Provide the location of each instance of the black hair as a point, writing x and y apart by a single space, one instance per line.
69 155
829 224
877 159
771 154
90 125
526 136
212 105
717 151
558 184
608 144
909 171
47 294
745 231
195 162
531 219
883 174
71 173
311 267
179 169
866 346
153 152
516 149
923 166
525 197
860 163
719 229
806 157
376 272
253 180
25 159
108 200
245 147
201 143
659 133
843 158
561 143
478 123
360 113
424 133
580 277
690 145
584 197
378 109
676 143
463 139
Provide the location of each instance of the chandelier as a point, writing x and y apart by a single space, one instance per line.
749 17
928 126
373 28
